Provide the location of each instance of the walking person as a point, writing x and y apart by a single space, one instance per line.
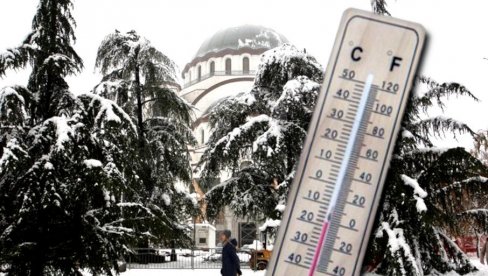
230 261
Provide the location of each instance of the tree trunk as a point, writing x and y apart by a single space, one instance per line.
201 201
478 243
46 91
140 123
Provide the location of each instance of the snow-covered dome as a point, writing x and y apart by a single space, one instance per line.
245 39
245 36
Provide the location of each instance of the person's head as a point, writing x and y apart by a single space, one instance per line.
224 235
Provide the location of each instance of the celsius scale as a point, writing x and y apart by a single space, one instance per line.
344 162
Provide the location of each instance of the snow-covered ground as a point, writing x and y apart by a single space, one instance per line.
185 272
483 271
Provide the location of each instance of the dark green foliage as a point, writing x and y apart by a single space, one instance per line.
422 219
72 186
143 81
258 135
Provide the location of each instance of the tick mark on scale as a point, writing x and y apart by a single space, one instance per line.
344 170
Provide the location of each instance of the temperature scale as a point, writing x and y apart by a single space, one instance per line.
343 166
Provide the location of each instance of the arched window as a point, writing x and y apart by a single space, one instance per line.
228 67
199 72
245 65
212 68
202 135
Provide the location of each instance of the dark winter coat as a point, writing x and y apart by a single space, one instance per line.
230 261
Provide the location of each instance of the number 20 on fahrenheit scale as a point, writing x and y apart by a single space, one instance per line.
341 172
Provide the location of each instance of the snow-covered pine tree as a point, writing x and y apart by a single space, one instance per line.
476 220
266 126
143 81
454 191
69 189
426 192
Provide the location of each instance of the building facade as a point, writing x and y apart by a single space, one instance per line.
224 66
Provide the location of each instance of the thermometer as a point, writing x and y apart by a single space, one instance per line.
339 180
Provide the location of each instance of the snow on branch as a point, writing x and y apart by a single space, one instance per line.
419 193
236 132
109 111
274 130
136 206
298 95
59 60
9 155
397 244
460 184
434 150
63 130
13 59
441 124
437 90
92 163
11 101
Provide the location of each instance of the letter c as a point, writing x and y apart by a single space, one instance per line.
354 55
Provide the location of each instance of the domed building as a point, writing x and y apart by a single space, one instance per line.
223 66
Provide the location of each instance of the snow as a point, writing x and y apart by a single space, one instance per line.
435 150
63 130
8 154
49 166
282 55
166 199
9 92
396 242
255 245
182 272
274 130
407 134
107 85
419 193
92 163
458 184
236 132
280 207
483 271
295 88
261 40
444 123
272 223
246 98
56 58
107 108
420 205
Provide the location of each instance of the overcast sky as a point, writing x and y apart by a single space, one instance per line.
458 39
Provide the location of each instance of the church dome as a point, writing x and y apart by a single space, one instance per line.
251 39
246 36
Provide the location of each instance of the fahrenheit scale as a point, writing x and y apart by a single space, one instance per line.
339 180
